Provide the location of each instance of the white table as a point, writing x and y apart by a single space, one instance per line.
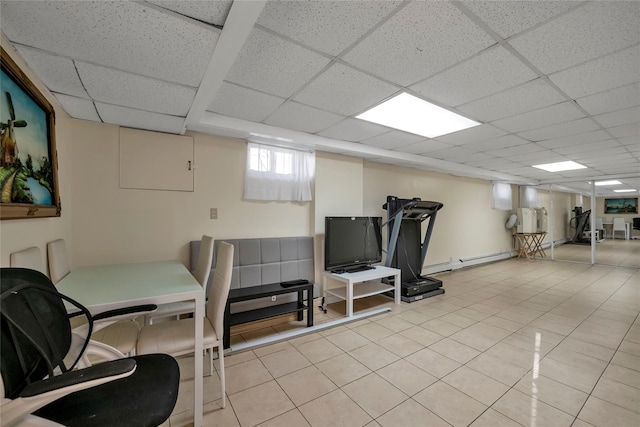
108 287
367 284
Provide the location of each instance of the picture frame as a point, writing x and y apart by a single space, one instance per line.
622 205
28 157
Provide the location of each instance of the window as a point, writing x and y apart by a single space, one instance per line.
502 196
529 198
277 173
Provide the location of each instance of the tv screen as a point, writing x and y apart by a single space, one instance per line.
352 241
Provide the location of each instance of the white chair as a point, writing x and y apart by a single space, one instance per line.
203 268
57 259
600 226
28 258
619 225
177 338
121 335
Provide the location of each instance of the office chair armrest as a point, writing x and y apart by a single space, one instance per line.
126 312
41 393
71 378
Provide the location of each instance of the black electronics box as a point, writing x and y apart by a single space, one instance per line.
420 286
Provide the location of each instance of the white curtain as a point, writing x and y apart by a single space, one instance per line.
529 198
502 196
277 173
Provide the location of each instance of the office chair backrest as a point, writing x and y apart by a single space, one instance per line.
220 285
35 330
57 260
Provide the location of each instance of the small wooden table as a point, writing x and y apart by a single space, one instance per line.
255 292
531 244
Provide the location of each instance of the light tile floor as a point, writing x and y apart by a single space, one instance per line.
513 343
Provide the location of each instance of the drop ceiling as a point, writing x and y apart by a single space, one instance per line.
550 81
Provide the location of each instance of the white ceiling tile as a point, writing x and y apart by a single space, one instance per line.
78 108
57 73
494 70
292 115
353 130
589 148
490 163
529 96
619 118
328 26
130 90
123 35
457 154
516 150
393 139
593 154
537 157
343 90
423 147
512 17
138 119
273 65
213 12
625 130
420 40
560 130
579 138
611 100
583 34
632 142
563 112
471 135
608 72
496 143
236 101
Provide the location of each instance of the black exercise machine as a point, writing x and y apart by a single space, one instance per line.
404 249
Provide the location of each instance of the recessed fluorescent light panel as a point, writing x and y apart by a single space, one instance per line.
560 166
628 190
611 182
410 114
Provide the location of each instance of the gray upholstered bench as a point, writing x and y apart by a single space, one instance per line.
259 266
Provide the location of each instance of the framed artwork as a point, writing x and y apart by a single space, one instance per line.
621 205
28 160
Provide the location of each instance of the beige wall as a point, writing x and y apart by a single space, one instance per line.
466 227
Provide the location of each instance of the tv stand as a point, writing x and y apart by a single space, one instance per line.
367 283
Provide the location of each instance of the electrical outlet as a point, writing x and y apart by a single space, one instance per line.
273 297
213 213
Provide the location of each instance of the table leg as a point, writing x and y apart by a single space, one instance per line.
396 282
300 301
350 299
197 379
310 305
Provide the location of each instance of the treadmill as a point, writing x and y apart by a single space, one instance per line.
405 250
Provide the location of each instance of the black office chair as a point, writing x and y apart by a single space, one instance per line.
35 338
636 226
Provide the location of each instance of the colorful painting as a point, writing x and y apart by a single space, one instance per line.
28 174
621 206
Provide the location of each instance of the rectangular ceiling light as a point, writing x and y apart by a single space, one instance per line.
410 114
611 182
628 190
560 166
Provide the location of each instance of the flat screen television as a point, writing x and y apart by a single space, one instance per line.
352 243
